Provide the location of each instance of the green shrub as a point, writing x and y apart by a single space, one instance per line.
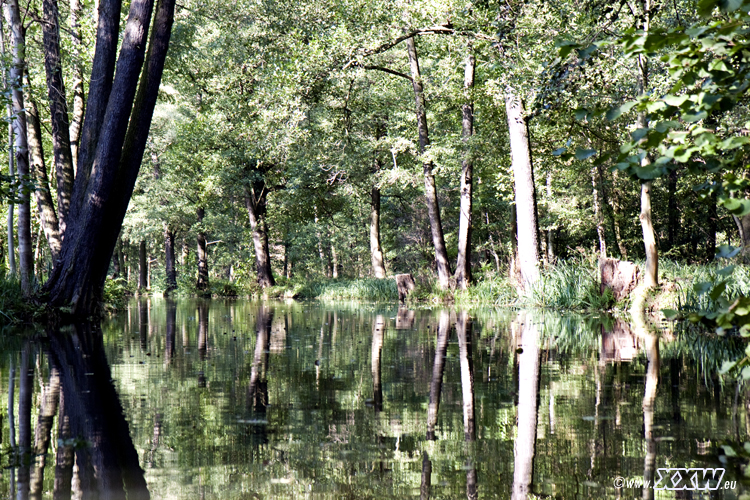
374 290
116 293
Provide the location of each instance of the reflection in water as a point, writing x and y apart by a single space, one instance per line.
378 332
289 410
528 389
649 400
25 389
106 460
438 366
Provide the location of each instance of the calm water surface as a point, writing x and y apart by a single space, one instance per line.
236 399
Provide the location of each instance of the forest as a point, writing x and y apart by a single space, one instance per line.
494 150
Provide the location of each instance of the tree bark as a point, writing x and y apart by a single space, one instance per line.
651 274
523 172
376 251
430 191
44 202
743 227
104 192
713 220
78 93
58 108
463 262
598 216
142 267
25 257
202 254
256 204
169 261
672 211
11 161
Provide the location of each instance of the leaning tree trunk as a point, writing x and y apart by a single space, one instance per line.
430 191
651 275
523 172
255 201
114 140
463 262
58 108
25 257
202 254
45 205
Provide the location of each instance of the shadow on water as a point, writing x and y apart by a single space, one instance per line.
236 399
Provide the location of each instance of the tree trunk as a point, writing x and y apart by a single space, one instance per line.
119 125
598 216
713 219
11 161
116 269
651 274
44 202
430 191
142 267
550 230
672 213
169 261
255 202
78 93
25 257
202 254
523 172
58 108
334 262
743 227
463 262
376 251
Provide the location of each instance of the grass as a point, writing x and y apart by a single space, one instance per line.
373 290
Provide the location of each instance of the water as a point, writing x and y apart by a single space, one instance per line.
213 399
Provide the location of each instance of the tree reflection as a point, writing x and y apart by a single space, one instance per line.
651 344
464 332
169 342
438 367
528 389
92 418
257 390
378 332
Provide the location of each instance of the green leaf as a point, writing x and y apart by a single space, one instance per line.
718 290
662 127
640 133
736 206
582 154
615 112
675 100
669 313
727 252
559 151
581 113
726 366
726 271
734 142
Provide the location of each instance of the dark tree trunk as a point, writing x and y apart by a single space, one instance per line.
523 172
115 141
116 269
255 202
743 227
142 267
58 108
44 202
463 262
672 213
713 220
376 251
430 191
202 254
169 260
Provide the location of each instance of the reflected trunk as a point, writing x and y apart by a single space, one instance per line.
26 389
43 431
438 367
649 399
378 332
202 328
143 323
424 488
528 389
464 333
108 468
169 347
